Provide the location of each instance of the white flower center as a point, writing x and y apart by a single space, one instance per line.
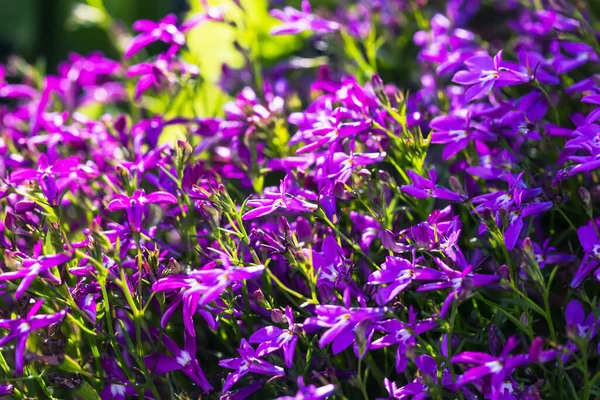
494 366
117 390
184 358
458 134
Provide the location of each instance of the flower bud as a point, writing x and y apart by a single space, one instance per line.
174 266
586 198
456 185
259 296
493 339
278 317
284 226
185 148
24 206
365 174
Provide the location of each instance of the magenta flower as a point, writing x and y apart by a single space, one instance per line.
21 328
136 205
497 368
199 288
397 273
579 326
180 360
282 199
295 21
248 361
484 73
461 283
46 175
32 267
310 391
588 237
341 165
341 323
423 188
402 334
455 131
272 338
14 91
165 30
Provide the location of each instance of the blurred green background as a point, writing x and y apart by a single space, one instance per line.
49 29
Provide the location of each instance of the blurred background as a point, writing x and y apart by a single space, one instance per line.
49 29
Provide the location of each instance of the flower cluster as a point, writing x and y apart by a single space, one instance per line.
402 206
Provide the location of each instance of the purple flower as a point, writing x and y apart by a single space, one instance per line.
310 391
579 326
181 360
498 368
136 205
6 390
512 202
341 323
456 130
461 283
402 334
588 237
46 175
248 361
279 199
295 21
341 165
165 30
21 328
423 188
32 267
331 266
484 73
199 288
397 273
272 338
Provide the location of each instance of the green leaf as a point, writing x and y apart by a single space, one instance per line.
86 392
70 365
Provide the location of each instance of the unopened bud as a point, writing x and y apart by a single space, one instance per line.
24 206
278 317
259 295
456 185
365 174
493 339
185 148
174 266
284 226
586 198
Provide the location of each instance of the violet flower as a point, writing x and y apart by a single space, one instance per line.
272 338
456 130
497 368
46 175
275 200
181 360
461 283
21 328
579 326
247 362
137 203
295 21
588 237
165 30
423 188
402 334
341 323
397 274
484 73
310 391
32 267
